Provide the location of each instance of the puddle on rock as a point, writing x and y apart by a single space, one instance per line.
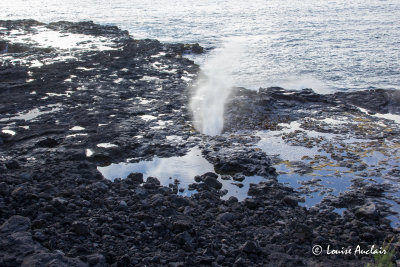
318 164
183 169
387 116
106 145
10 132
32 114
273 144
315 188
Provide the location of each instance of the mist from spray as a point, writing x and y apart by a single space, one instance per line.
212 89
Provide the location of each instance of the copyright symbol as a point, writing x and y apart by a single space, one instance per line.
316 250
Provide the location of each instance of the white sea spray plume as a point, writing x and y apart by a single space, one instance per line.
213 87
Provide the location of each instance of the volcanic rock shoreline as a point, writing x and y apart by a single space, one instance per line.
64 112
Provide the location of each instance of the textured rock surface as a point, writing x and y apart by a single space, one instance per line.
57 209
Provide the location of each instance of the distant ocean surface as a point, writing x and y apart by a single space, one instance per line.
326 45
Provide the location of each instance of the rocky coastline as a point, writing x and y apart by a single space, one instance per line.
65 112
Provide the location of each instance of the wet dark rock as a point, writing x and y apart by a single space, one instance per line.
210 174
251 203
198 178
374 190
183 238
226 217
98 187
377 100
141 192
80 228
59 201
77 156
226 177
228 167
15 224
238 177
46 259
17 247
136 178
152 180
195 48
26 176
12 165
250 247
123 205
238 185
180 226
232 199
48 142
102 158
212 182
96 260
290 200
394 172
367 211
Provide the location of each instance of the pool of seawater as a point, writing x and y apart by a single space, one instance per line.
328 174
32 114
183 169
326 183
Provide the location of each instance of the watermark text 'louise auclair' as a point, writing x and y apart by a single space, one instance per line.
358 250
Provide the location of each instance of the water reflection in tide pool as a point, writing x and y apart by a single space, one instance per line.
183 168
32 114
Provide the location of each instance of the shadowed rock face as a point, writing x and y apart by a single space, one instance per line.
270 106
381 101
17 248
129 97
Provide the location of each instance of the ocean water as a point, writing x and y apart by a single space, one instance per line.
325 45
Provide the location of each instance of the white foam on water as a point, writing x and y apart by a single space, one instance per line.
106 145
36 64
161 54
148 117
186 79
42 36
143 101
149 78
32 114
89 152
85 69
75 135
333 121
119 80
387 116
161 124
67 94
77 128
174 138
10 132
